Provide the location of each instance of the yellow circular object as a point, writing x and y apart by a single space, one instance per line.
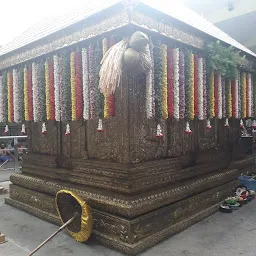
67 203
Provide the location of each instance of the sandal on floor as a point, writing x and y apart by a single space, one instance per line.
225 208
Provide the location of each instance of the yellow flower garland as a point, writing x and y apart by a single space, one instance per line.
47 91
243 95
26 93
192 85
229 114
73 85
9 96
164 82
211 92
106 96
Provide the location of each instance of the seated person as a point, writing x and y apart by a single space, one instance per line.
5 154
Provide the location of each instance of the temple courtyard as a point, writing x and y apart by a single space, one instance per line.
220 234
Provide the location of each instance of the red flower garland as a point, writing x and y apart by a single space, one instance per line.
170 81
79 94
216 94
233 87
196 106
112 104
11 97
247 100
52 99
30 95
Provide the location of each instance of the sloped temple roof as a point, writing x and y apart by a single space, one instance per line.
47 28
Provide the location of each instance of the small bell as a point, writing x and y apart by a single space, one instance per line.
226 123
208 124
159 133
241 124
67 130
188 131
6 129
44 130
100 126
254 124
23 129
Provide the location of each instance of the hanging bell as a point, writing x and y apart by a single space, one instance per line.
187 130
67 130
6 129
100 126
241 124
44 130
23 129
159 133
226 123
208 124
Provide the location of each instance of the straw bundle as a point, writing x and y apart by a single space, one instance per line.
111 69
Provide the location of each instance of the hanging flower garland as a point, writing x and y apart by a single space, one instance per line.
191 87
151 47
211 96
67 88
219 96
187 84
239 94
5 97
79 98
200 90
233 95
164 82
10 96
47 91
149 88
229 99
246 92
99 97
112 102
170 78
91 53
21 94
204 89
42 93
243 95
51 85
30 94
196 81
86 96
223 85
1 99
176 94
216 94
182 84
57 85
106 96
73 85
236 97
16 99
249 95
158 78
36 91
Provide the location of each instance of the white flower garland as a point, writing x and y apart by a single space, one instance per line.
176 110
1 100
200 89
16 102
149 86
236 98
56 74
219 97
85 73
36 92
249 95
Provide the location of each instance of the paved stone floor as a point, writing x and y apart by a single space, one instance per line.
219 235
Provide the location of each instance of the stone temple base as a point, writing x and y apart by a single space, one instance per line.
133 222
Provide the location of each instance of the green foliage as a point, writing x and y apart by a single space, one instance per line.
224 60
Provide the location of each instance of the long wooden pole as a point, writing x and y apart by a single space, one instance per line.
54 234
